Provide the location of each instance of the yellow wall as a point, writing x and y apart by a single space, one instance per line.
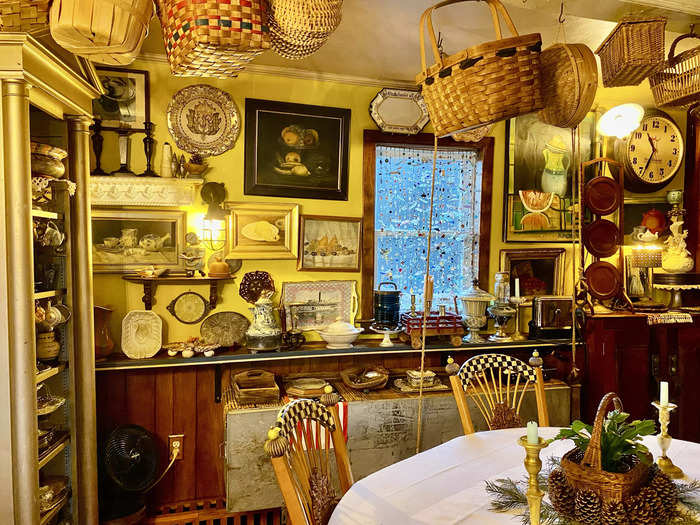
112 291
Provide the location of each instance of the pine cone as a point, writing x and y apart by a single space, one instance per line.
639 510
561 494
614 513
667 492
588 507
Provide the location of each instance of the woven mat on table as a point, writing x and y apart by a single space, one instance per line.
669 318
231 404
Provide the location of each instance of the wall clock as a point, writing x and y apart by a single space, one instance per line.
651 154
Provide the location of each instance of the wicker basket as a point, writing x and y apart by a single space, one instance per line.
354 378
213 38
482 84
28 16
108 31
678 83
588 474
299 28
569 84
632 51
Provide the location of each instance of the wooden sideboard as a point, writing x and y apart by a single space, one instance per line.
626 355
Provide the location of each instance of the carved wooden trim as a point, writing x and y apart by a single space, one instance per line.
143 191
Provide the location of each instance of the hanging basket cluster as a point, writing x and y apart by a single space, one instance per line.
299 28
677 84
213 38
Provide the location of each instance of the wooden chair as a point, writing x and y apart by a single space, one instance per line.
497 384
299 447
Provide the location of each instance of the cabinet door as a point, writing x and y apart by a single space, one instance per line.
684 372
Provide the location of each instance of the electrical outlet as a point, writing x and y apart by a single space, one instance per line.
176 442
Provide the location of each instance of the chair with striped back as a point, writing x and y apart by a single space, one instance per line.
497 383
299 446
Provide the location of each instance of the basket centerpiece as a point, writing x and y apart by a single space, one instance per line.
609 476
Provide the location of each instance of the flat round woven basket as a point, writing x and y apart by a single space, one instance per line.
569 84
298 28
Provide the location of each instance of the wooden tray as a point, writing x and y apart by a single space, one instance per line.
255 386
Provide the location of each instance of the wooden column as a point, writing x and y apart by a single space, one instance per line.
83 358
692 185
20 300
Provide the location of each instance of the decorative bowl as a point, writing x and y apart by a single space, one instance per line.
339 334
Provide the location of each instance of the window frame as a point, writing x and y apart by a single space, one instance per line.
372 139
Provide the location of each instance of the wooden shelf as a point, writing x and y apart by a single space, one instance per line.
149 285
43 214
49 294
53 451
54 370
121 362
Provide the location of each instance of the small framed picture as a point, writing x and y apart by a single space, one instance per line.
330 244
124 241
263 230
126 100
296 150
541 271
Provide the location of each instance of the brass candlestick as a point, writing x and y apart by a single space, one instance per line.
517 335
664 462
533 465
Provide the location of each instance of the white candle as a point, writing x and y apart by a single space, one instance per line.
663 395
517 287
532 437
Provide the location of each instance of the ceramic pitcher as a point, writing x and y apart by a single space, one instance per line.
556 167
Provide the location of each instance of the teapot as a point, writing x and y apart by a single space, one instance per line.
152 242
557 162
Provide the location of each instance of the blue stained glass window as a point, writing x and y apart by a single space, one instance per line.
402 204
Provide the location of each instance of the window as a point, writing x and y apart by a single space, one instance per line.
397 201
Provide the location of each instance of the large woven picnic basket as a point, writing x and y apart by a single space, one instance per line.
106 31
482 84
632 51
678 83
29 16
213 38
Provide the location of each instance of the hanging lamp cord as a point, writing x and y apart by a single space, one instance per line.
425 301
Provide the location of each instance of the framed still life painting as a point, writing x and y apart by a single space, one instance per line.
296 150
124 241
330 243
538 205
126 99
263 230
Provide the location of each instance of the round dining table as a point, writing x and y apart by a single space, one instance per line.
445 485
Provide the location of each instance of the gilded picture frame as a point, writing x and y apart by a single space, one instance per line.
263 230
541 270
330 244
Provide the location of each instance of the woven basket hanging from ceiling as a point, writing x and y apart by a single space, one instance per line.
632 51
29 16
105 31
482 84
299 28
678 83
569 84
213 38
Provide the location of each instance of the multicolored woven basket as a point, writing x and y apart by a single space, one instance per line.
213 38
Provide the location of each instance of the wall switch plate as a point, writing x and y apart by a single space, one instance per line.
176 442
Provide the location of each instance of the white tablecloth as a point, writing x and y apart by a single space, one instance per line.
445 485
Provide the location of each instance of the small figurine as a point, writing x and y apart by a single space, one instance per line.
676 258
193 255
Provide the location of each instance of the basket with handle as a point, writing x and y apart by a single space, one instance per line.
107 31
588 474
632 51
678 83
481 84
213 38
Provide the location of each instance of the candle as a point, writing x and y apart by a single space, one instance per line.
428 288
663 395
532 437
517 287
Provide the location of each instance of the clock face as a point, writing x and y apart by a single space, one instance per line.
655 150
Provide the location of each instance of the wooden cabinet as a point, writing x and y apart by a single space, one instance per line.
627 356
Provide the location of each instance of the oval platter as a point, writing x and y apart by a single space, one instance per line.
142 334
224 328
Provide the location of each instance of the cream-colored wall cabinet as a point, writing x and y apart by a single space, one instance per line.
45 93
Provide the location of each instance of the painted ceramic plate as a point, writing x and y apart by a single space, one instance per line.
189 307
224 328
204 120
142 334
254 284
399 111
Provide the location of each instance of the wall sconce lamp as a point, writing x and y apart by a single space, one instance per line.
621 120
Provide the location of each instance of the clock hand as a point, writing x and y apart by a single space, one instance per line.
651 142
647 164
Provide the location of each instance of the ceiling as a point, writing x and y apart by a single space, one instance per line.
379 39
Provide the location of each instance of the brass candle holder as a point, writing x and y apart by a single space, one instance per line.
664 462
533 465
517 302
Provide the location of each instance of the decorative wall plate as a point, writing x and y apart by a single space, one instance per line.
189 307
142 334
203 120
601 238
224 328
602 195
254 284
603 280
399 111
